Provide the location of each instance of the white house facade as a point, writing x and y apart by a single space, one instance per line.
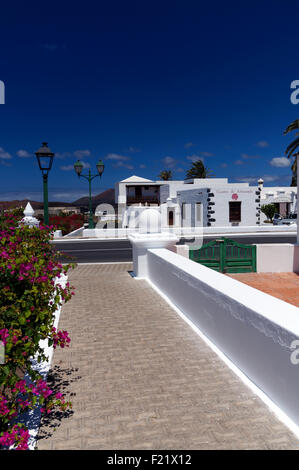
284 198
211 202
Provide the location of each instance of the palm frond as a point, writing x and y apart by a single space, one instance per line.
292 147
291 127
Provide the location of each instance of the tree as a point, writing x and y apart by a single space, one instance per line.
198 170
165 175
291 149
294 171
269 210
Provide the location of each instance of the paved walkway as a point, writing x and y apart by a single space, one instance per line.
285 286
143 379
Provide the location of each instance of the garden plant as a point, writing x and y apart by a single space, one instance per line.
30 293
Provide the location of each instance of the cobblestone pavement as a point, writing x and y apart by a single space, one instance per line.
285 286
145 379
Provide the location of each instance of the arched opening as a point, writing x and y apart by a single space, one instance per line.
170 217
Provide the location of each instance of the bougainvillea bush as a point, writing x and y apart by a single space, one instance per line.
29 296
67 223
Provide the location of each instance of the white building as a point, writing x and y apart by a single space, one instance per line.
193 202
211 202
285 198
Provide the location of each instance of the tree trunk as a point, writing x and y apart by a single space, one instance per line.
297 198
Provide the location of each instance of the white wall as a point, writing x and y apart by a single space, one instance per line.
277 257
222 196
252 328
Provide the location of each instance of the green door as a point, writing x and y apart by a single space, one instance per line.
226 256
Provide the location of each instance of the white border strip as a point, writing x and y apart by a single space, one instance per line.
108 262
33 417
185 236
257 391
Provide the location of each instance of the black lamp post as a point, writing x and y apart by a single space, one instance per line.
78 166
45 160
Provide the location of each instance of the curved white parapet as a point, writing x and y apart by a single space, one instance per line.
149 236
142 242
257 332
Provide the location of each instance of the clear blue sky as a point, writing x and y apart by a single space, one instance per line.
145 86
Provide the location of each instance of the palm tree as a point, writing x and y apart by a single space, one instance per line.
198 170
294 173
165 175
290 151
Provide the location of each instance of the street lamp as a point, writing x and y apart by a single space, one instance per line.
78 166
45 160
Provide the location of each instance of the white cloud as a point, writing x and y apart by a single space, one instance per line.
61 195
142 166
169 162
117 157
193 158
254 179
82 153
67 167
281 162
262 144
4 163
133 149
206 154
62 155
4 155
223 165
120 160
188 145
71 167
269 179
239 162
121 164
249 179
24 154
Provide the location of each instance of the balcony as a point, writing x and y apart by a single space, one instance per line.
142 200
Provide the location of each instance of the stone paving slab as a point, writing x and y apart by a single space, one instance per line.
284 286
145 379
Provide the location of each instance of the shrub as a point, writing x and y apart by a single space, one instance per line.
269 210
30 293
67 223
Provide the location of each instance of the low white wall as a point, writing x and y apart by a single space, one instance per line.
57 234
195 231
75 233
276 257
253 329
182 250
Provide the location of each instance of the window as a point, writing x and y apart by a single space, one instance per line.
138 192
183 207
198 212
170 217
235 211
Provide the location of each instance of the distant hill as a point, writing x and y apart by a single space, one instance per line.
107 197
104 197
35 204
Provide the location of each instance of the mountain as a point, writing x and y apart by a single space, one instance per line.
35 204
104 197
